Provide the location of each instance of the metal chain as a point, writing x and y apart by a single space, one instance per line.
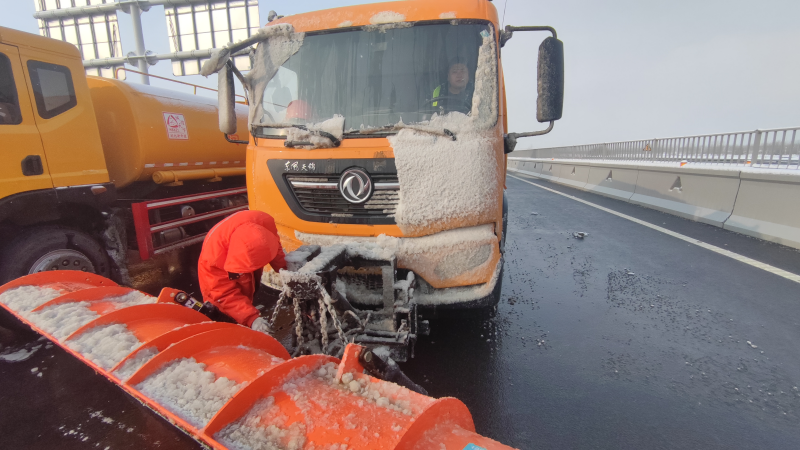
325 305
323 323
329 303
277 309
298 321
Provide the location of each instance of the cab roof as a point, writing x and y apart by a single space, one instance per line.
388 12
18 38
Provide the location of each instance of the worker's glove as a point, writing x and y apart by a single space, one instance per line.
261 324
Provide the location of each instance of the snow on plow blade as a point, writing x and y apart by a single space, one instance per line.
227 385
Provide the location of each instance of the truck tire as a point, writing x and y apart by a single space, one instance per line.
52 248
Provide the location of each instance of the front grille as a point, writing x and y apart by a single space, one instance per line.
310 188
319 195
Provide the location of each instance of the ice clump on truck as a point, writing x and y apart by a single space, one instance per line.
467 193
333 126
467 251
187 389
282 43
387 17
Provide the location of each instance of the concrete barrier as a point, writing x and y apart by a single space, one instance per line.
550 170
612 181
768 207
704 195
574 175
763 204
533 168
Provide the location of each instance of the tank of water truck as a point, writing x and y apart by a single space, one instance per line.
146 129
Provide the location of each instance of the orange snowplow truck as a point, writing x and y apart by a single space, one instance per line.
383 127
87 161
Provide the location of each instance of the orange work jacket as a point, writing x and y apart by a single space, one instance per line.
241 244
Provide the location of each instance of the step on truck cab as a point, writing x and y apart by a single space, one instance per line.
384 127
84 158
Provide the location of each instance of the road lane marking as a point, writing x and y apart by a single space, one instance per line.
713 248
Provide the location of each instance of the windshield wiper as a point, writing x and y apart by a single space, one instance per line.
292 144
399 126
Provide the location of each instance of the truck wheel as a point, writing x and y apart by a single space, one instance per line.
52 248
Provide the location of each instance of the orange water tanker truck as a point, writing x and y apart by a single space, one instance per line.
93 167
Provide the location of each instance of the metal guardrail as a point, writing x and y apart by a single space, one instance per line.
775 148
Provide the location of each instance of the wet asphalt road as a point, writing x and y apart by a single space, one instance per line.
627 339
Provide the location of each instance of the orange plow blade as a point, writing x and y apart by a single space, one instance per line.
227 385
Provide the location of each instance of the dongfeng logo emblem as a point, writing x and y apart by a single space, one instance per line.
355 185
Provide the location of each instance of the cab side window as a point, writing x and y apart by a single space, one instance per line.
9 104
52 88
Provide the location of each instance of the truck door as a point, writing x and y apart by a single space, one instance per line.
24 166
65 117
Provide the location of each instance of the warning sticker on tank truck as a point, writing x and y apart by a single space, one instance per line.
176 126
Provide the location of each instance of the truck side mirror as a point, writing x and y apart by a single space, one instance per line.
550 85
550 103
227 112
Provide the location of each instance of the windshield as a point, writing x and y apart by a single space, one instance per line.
376 78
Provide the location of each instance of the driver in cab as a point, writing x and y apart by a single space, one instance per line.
456 93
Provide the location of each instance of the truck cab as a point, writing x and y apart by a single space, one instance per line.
383 127
50 141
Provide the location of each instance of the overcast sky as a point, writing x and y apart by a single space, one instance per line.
635 69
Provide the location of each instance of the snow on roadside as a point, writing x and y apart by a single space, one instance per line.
105 345
188 390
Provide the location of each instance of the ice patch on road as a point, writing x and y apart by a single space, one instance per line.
22 354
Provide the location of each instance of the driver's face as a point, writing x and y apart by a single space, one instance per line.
458 77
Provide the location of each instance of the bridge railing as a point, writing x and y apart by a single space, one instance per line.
775 148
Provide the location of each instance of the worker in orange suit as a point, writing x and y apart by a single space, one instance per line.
233 257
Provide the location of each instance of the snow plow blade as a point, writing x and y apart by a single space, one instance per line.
226 385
